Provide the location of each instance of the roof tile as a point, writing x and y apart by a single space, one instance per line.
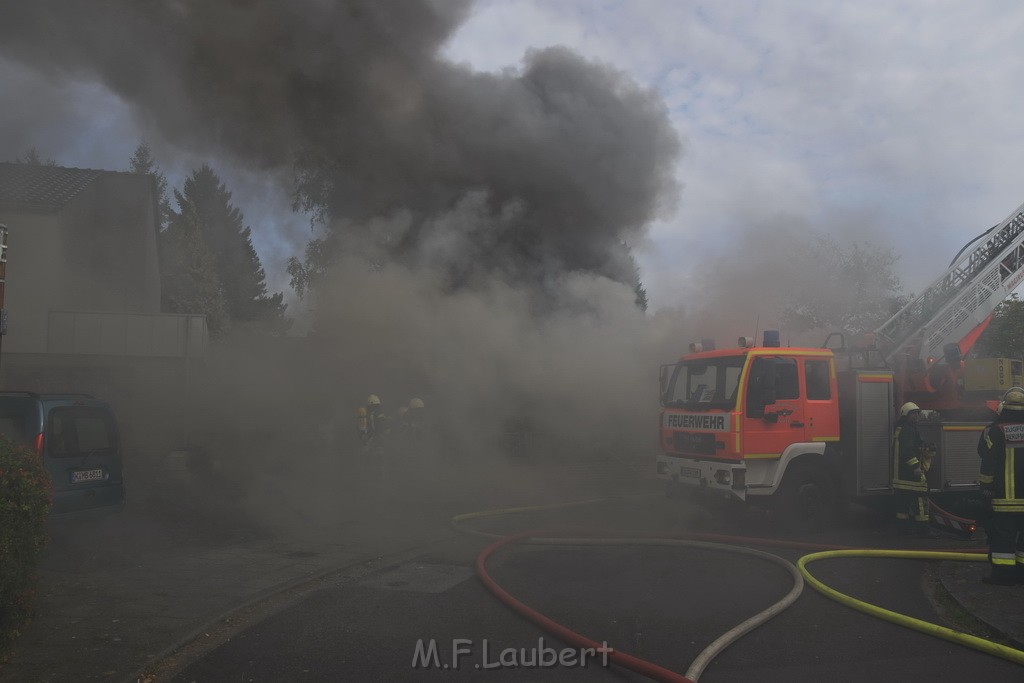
47 188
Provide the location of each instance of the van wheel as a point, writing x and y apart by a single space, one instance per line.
809 496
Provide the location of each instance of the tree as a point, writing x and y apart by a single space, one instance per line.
188 268
142 161
205 202
623 261
31 157
641 296
853 289
306 274
1004 337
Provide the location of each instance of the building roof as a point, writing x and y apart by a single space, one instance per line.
43 188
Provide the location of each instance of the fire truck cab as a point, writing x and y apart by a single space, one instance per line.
806 429
734 420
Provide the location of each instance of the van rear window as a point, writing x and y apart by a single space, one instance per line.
11 428
78 431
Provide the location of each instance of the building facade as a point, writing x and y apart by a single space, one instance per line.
82 297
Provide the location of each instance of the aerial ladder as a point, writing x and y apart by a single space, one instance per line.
838 442
925 341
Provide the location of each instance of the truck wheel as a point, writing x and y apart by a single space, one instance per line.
808 496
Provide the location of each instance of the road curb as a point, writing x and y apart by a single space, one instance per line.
950 580
160 667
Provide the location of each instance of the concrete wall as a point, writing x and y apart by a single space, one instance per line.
96 333
37 278
98 253
110 246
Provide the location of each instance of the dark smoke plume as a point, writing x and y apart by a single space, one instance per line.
571 157
452 203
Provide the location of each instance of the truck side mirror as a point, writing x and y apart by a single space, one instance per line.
663 383
829 344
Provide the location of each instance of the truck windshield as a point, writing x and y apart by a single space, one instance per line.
705 384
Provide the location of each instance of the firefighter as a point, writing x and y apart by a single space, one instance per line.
1002 469
363 423
911 460
378 422
415 419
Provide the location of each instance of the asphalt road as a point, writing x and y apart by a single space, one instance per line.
663 604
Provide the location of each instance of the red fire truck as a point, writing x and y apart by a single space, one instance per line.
809 429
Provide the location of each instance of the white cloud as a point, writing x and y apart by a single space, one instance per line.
891 121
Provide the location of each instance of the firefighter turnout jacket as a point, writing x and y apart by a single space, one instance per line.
909 454
1002 462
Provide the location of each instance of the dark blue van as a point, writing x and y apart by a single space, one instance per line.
78 438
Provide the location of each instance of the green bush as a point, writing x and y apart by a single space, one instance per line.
25 498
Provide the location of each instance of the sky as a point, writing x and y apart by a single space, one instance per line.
892 122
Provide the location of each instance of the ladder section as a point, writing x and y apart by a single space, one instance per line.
963 297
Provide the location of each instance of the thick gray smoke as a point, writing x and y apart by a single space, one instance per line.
786 275
355 93
475 224
260 79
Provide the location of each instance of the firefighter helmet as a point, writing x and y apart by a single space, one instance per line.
1013 399
416 403
909 408
374 400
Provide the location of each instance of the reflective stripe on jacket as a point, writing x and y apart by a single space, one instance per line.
1001 448
906 451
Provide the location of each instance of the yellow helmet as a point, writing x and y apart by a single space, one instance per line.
416 403
1013 399
374 400
908 408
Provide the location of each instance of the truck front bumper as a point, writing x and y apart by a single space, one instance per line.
727 479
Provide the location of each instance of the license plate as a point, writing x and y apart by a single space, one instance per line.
689 472
86 475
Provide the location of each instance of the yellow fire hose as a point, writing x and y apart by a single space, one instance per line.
927 627
964 639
